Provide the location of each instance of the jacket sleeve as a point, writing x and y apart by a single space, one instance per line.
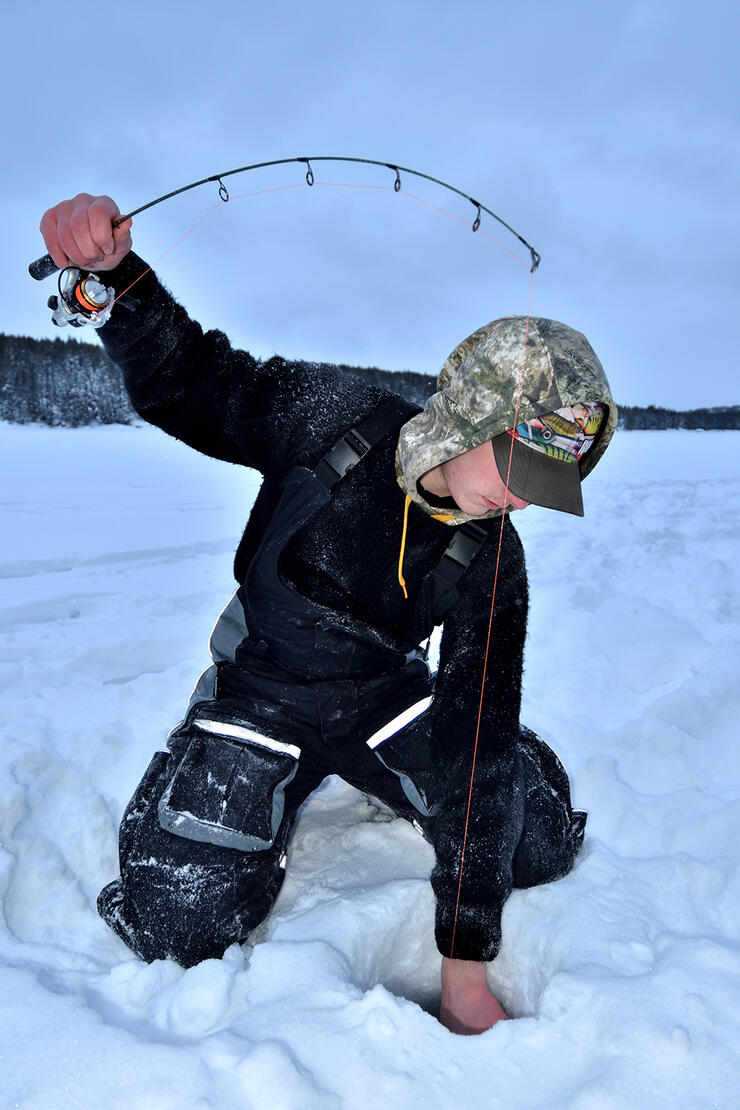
221 401
477 831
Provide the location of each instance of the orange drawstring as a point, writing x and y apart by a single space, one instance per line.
401 579
435 516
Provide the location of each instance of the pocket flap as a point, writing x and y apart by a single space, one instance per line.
229 786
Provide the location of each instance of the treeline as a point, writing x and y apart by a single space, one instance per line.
63 383
414 387
69 383
654 417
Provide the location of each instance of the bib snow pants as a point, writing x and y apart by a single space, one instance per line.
306 692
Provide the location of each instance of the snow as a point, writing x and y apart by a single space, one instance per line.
623 978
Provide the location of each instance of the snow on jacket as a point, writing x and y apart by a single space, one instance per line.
274 414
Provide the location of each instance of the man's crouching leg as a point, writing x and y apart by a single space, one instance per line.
180 898
553 831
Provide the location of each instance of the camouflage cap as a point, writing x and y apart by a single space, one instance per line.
478 388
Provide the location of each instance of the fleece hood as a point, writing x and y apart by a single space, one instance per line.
476 396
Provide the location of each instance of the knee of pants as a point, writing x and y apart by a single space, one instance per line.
195 912
553 832
180 898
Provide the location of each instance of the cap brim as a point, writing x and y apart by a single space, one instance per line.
537 477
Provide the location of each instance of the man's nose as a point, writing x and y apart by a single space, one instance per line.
515 502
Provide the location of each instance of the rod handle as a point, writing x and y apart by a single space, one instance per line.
42 267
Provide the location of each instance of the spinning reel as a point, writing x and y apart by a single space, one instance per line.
83 299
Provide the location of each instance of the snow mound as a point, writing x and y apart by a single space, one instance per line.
623 978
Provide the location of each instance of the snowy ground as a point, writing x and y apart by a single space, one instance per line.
624 978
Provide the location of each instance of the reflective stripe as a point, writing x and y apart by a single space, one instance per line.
398 722
238 732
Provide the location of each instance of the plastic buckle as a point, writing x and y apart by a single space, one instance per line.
347 452
465 544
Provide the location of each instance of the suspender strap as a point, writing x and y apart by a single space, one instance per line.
355 444
468 538
460 552
439 592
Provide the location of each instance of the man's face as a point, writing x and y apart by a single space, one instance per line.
473 480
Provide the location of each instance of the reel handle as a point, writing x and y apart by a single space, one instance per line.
43 267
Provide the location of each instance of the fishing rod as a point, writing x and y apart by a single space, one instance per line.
83 298
43 267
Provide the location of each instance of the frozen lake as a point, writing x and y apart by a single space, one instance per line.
624 978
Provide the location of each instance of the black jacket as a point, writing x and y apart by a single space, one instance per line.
274 414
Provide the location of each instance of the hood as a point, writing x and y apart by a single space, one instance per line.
476 396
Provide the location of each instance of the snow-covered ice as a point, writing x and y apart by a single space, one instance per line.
624 978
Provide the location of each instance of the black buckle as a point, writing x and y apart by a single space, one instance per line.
347 452
465 543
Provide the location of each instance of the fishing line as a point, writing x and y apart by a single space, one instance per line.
446 989
225 197
44 266
219 204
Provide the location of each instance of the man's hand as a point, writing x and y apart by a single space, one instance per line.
80 233
467 1004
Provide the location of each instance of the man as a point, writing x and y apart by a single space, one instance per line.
374 523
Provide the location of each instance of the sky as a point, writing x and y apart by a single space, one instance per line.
607 135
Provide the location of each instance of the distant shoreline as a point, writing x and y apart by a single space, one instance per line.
68 383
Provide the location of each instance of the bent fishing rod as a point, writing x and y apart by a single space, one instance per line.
84 299
45 266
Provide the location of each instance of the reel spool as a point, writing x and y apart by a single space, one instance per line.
83 300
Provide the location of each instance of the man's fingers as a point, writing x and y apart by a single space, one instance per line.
69 245
96 228
80 232
48 228
87 248
122 238
101 214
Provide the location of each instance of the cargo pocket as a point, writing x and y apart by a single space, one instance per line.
229 787
402 747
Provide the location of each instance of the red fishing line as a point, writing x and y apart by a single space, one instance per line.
443 1007
177 242
325 184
